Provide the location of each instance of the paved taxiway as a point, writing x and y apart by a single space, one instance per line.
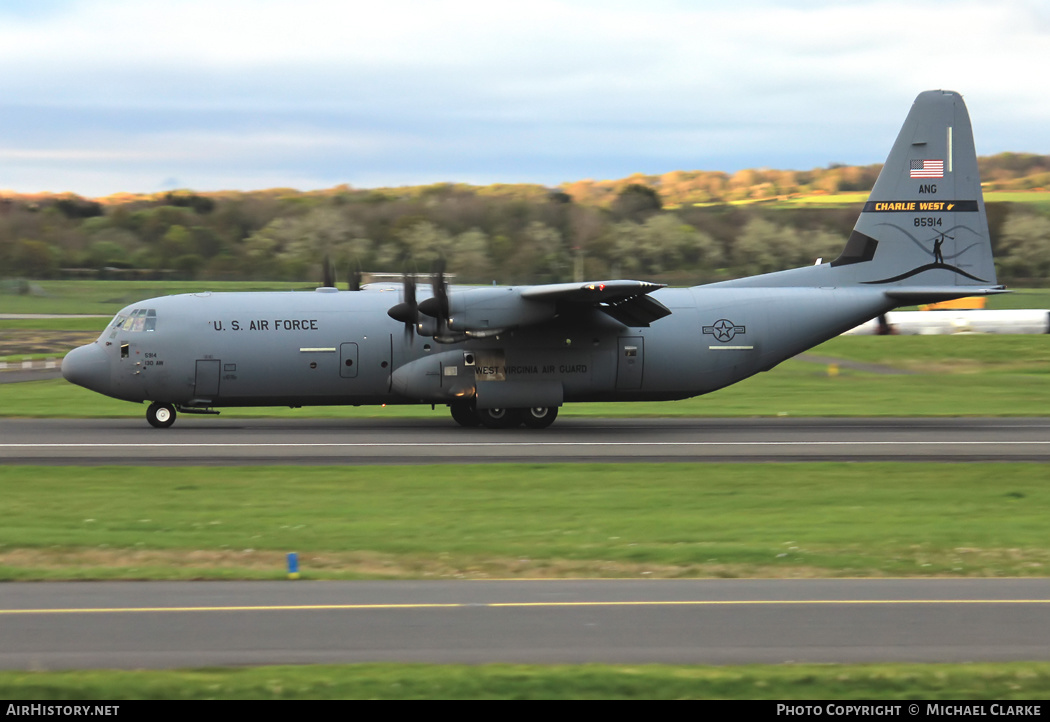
178 624
391 441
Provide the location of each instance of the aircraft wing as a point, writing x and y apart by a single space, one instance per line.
489 310
626 301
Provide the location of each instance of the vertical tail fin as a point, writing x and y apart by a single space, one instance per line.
924 225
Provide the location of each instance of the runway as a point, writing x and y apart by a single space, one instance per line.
228 441
183 624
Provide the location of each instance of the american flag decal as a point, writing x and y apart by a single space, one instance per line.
927 169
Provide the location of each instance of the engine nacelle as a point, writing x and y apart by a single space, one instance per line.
450 376
485 309
440 378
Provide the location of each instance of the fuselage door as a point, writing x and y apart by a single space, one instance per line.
207 384
630 363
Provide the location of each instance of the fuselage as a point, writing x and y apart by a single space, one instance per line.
340 348
504 356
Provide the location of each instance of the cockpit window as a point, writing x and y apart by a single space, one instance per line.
139 319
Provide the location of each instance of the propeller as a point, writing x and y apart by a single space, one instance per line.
435 310
407 312
440 286
437 306
354 283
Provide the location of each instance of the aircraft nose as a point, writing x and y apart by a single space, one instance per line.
87 366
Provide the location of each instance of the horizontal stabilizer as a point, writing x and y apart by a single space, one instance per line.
934 294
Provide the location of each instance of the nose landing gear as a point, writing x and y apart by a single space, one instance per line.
160 416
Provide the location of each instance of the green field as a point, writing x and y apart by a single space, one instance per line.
1016 681
961 375
550 521
526 521
107 297
837 200
535 521
1038 198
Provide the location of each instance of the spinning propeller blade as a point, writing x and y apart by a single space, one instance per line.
407 312
354 283
326 271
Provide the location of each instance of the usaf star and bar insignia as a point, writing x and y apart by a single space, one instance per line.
724 330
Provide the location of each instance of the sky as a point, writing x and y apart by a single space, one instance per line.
107 96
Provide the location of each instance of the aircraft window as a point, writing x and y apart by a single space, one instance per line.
630 351
124 350
140 320
118 321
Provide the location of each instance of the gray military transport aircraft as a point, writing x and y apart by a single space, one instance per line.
503 356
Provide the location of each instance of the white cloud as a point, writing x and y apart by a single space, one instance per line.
545 49
284 83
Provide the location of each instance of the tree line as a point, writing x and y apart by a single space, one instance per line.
642 226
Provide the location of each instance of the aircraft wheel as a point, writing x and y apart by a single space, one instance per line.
540 417
501 418
160 416
465 415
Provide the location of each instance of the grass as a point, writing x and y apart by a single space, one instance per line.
837 200
980 375
54 337
108 297
962 354
540 520
1020 298
19 357
797 389
1038 198
527 520
834 200
882 682
87 324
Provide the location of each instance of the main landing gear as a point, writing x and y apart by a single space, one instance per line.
160 416
540 417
